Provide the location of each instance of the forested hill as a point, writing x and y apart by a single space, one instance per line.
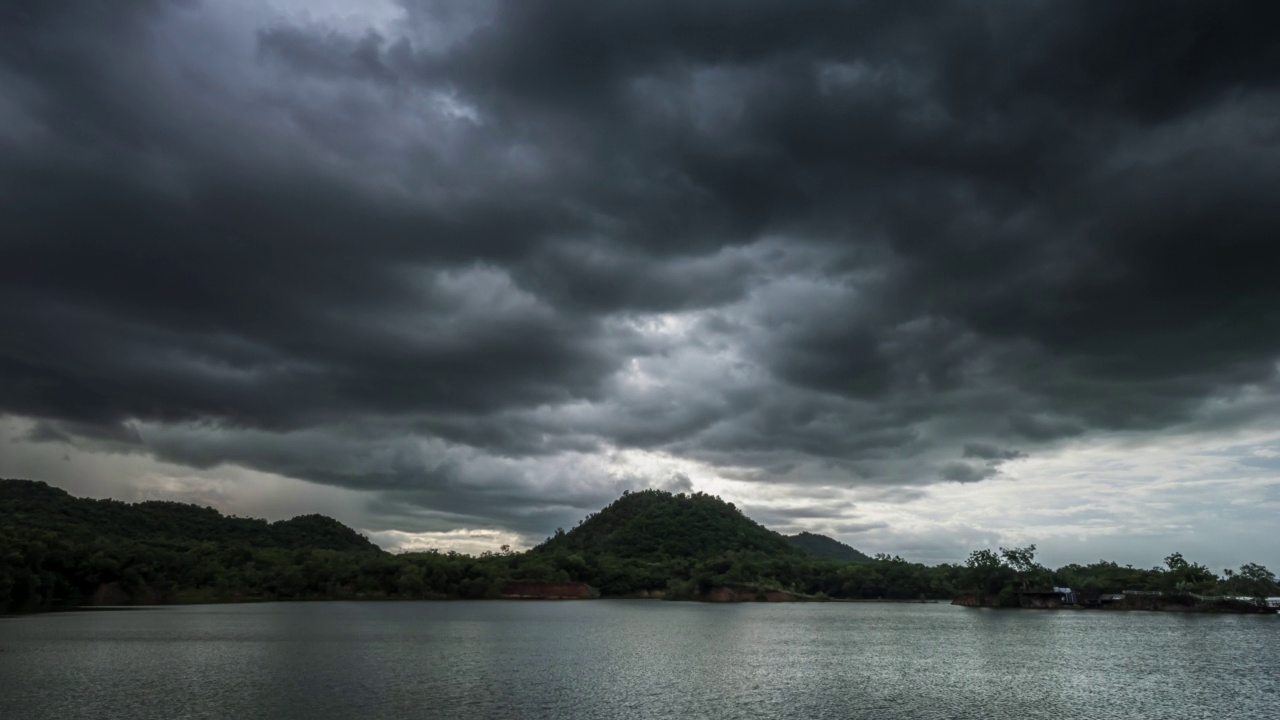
61 551
657 526
821 546
36 506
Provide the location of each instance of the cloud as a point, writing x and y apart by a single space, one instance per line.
966 472
984 451
490 262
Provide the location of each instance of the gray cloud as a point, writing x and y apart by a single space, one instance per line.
966 472
448 256
984 451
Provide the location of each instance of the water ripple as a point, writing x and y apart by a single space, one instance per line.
635 659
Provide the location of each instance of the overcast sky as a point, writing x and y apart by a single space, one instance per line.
926 276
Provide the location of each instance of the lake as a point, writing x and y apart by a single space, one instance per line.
635 659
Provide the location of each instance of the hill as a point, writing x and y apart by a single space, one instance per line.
60 551
657 526
821 546
36 506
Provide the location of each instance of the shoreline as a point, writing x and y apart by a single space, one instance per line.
262 601
1184 603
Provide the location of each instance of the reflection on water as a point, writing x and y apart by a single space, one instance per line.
635 659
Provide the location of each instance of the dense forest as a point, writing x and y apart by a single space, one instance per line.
821 546
60 551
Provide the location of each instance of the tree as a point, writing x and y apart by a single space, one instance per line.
1257 582
986 572
411 581
1183 576
1023 562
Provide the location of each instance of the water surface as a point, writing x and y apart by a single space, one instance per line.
635 659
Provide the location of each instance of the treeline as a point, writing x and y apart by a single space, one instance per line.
42 570
1001 574
56 550
59 551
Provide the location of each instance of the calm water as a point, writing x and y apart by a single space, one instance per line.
634 659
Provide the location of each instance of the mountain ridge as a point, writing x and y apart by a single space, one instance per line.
40 506
827 548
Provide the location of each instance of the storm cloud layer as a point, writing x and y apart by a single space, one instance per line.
493 262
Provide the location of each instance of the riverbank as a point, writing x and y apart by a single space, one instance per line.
1148 601
116 598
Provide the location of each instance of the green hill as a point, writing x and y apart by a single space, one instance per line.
821 546
60 551
33 505
657 526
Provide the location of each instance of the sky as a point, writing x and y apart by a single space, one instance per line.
926 277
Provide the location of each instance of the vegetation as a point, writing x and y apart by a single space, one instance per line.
821 546
657 526
1001 575
57 551
35 506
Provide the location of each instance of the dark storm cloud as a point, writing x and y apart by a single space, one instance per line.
894 233
45 432
966 472
984 451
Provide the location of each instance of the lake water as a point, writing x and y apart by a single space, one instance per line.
635 659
